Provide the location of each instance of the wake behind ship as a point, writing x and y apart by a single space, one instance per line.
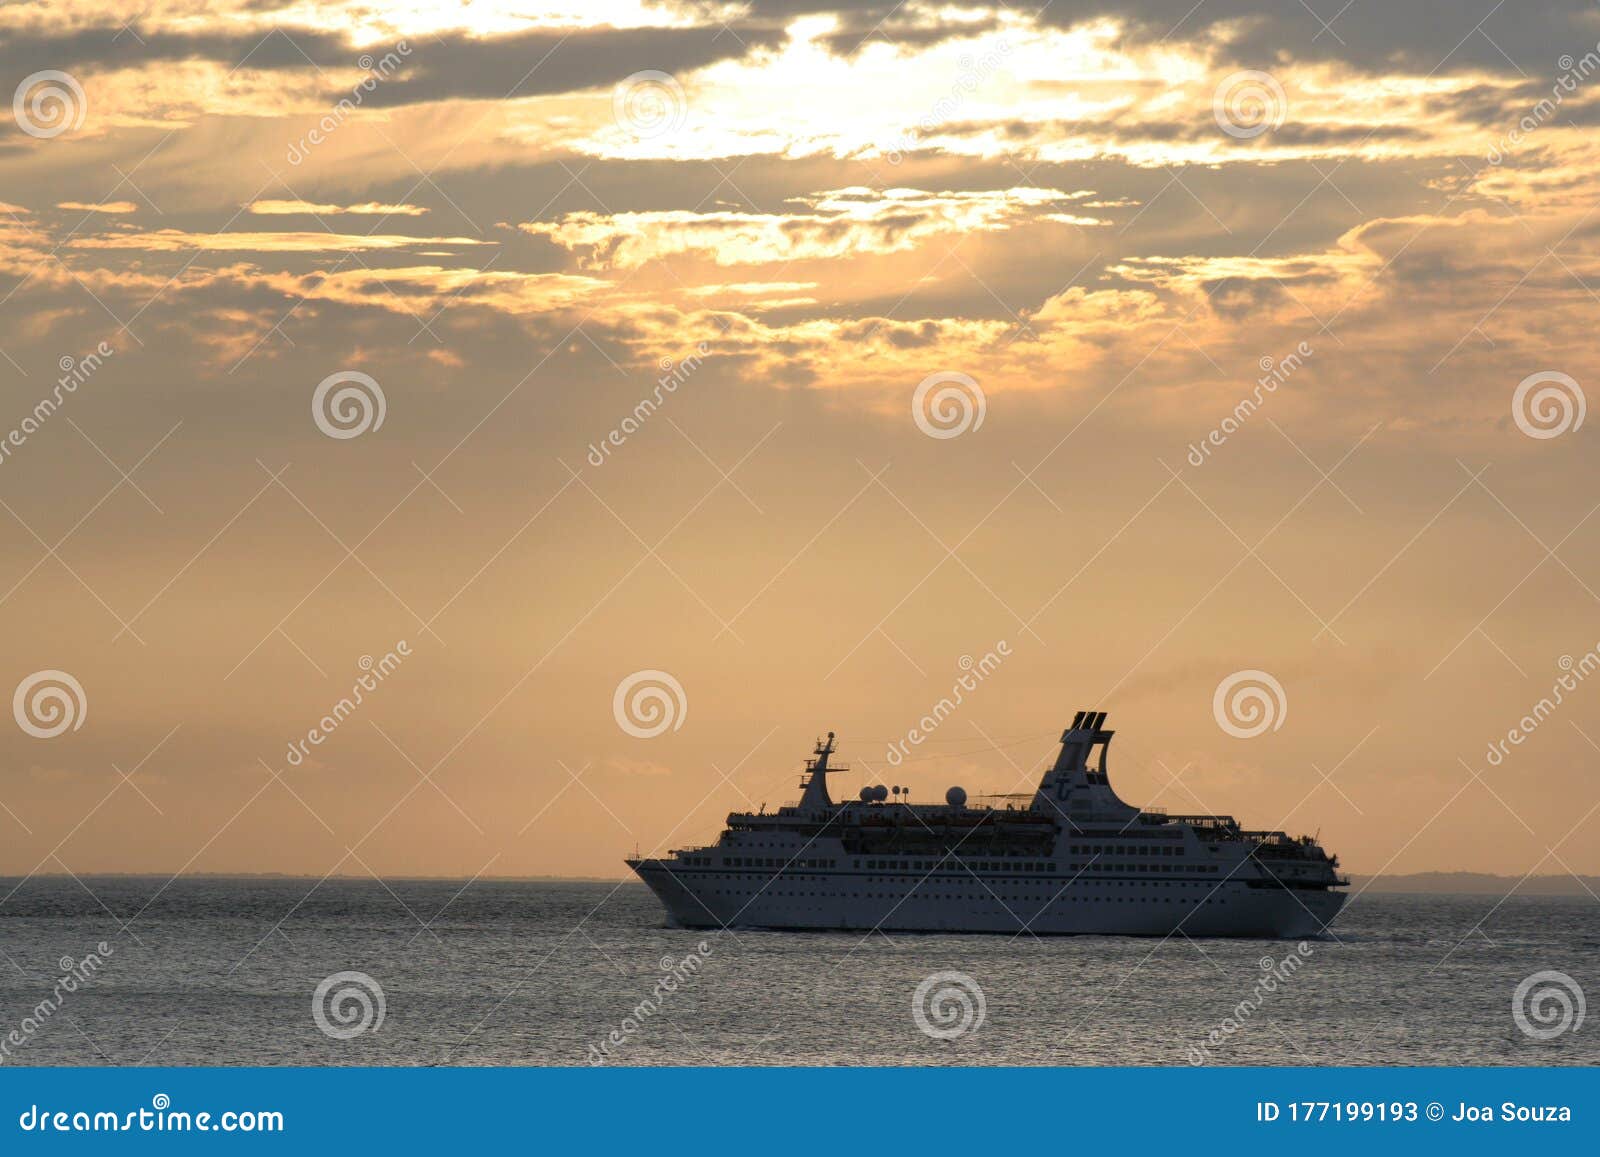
1076 860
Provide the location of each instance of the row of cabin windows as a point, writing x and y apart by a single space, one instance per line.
1114 850
1103 867
760 862
951 865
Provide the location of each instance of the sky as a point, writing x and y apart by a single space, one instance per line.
613 397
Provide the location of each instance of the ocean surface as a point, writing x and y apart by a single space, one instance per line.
227 971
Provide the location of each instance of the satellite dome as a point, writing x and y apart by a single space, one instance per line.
956 797
866 795
880 793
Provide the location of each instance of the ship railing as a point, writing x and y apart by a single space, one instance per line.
1206 821
1267 837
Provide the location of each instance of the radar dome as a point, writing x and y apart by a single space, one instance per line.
956 797
866 795
880 793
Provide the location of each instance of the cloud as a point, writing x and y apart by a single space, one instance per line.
751 288
272 208
834 224
453 65
175 240
105 207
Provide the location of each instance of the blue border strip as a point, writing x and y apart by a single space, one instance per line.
801 1111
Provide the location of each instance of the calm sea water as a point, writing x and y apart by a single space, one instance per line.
213 971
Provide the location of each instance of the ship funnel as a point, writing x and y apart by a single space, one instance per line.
1079 740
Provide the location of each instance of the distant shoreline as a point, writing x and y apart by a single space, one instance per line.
1438 883
1478 883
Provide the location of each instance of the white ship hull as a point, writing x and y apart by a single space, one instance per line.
1038 905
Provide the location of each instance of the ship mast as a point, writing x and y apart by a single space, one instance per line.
815 783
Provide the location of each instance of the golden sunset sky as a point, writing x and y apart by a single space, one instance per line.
1258 337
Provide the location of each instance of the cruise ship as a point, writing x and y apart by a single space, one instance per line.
1076 860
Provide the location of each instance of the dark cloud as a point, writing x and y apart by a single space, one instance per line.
1239 297
1420 36
549 62
451 67
104 48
